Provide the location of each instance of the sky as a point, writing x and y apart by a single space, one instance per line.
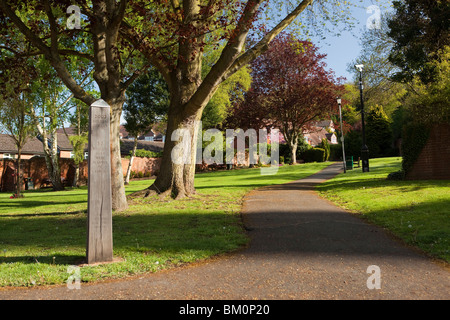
344 49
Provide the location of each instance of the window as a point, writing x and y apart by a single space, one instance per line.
86 155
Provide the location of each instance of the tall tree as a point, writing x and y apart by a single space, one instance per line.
379 132
79 122
420 28
379 85
14 116
92 41
188 28
48 115
290 88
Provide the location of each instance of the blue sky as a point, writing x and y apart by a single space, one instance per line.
344 49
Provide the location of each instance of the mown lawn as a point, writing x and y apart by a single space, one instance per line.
416 211
45 232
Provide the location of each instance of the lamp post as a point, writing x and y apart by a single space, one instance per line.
364 148
342 134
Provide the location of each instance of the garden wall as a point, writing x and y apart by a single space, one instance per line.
36 169
433 162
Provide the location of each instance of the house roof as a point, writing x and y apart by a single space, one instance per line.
64 142
324 123
316 134
32 146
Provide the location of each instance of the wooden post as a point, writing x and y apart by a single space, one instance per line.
99 235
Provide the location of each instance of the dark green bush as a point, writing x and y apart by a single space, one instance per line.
142 153
397 175
335 152
313 155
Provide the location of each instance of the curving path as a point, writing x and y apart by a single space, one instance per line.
302 247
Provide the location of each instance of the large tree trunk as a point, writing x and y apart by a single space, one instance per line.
176 176
119 200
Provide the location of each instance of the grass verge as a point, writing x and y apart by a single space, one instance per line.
44 233
416 211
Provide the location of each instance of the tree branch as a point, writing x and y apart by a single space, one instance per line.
133 77
141 44
49 54
262 45
226 59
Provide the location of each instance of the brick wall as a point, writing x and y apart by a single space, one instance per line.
36 169
433 162
148 166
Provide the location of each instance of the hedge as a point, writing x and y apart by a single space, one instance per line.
314 155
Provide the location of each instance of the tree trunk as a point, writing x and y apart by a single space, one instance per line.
130 164
293 148
76 177
119 200
292 140
52 161
177 172
54 172
19 171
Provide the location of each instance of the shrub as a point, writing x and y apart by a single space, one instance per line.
397 175
336 152
326 146
142 153
284 150
378 132
314 155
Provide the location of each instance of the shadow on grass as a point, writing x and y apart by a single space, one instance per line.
177 233
132 233
57 213
400 185
56 259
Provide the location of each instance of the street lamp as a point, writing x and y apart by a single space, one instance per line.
339 101
364 148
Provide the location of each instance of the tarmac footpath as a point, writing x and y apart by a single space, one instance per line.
302 248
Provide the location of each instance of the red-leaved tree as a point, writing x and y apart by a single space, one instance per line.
291 87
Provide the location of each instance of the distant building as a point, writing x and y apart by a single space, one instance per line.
152 135
319 130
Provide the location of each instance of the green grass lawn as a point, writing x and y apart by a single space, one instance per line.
416 211
45 232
